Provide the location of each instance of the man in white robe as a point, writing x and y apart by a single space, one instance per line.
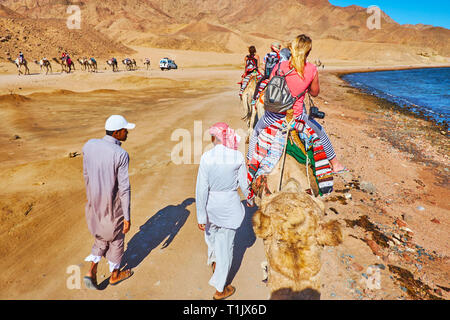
219 209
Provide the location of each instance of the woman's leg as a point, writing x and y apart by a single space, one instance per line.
327 146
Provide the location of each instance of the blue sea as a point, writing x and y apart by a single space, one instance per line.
426 90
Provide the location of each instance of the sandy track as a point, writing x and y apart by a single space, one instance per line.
53 235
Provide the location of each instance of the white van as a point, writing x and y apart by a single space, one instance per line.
167 64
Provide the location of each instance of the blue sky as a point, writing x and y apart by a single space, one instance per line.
433 12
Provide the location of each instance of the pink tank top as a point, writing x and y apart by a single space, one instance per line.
296 84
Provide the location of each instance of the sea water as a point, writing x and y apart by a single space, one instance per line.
424 91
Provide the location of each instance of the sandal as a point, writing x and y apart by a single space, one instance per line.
123 275
213 266
228 291
90 282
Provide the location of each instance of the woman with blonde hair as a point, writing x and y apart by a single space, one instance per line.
303 78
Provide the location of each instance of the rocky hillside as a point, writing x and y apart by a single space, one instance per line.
231 25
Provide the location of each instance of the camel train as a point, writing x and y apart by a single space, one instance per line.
290 218
67 65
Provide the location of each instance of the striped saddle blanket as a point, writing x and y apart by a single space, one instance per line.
303 143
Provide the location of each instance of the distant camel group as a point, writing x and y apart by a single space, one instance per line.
130 64
67 65
88 64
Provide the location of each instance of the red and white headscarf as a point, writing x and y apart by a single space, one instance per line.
227 136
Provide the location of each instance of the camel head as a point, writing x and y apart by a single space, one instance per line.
294 217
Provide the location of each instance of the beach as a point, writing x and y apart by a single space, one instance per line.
393 204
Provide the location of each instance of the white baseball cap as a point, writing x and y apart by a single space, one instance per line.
117 122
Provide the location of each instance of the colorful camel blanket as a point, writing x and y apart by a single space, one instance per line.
246 80
303 143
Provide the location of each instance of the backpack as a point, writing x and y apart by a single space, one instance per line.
252 63
277 96
271 62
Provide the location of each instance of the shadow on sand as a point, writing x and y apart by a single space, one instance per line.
244 239
163 226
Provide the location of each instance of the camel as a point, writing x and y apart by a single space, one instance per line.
113 63
251 111
84 63
92 65
147 62
130 64
290 224
66 66
19 65
44 63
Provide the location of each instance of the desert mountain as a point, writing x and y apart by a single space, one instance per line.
231 25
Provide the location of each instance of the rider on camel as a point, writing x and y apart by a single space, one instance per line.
21 57
251 65
270 61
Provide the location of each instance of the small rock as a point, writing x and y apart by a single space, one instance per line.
392 258
157 283
357 267
400 223
348 196
73 154
434 220
406 257
381 266
367 187
16 137
407 217
374 247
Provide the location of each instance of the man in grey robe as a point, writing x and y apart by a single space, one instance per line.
105 170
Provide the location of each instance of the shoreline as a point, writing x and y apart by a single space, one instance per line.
386 104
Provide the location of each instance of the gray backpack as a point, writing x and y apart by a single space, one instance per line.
278 97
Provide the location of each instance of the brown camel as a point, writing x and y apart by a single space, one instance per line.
113 63
290 223
84 63
66 64
19 65
44 63
92 65
147 63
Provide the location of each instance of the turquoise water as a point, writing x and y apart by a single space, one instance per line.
422 91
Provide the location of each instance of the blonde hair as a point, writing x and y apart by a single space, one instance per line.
300 48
